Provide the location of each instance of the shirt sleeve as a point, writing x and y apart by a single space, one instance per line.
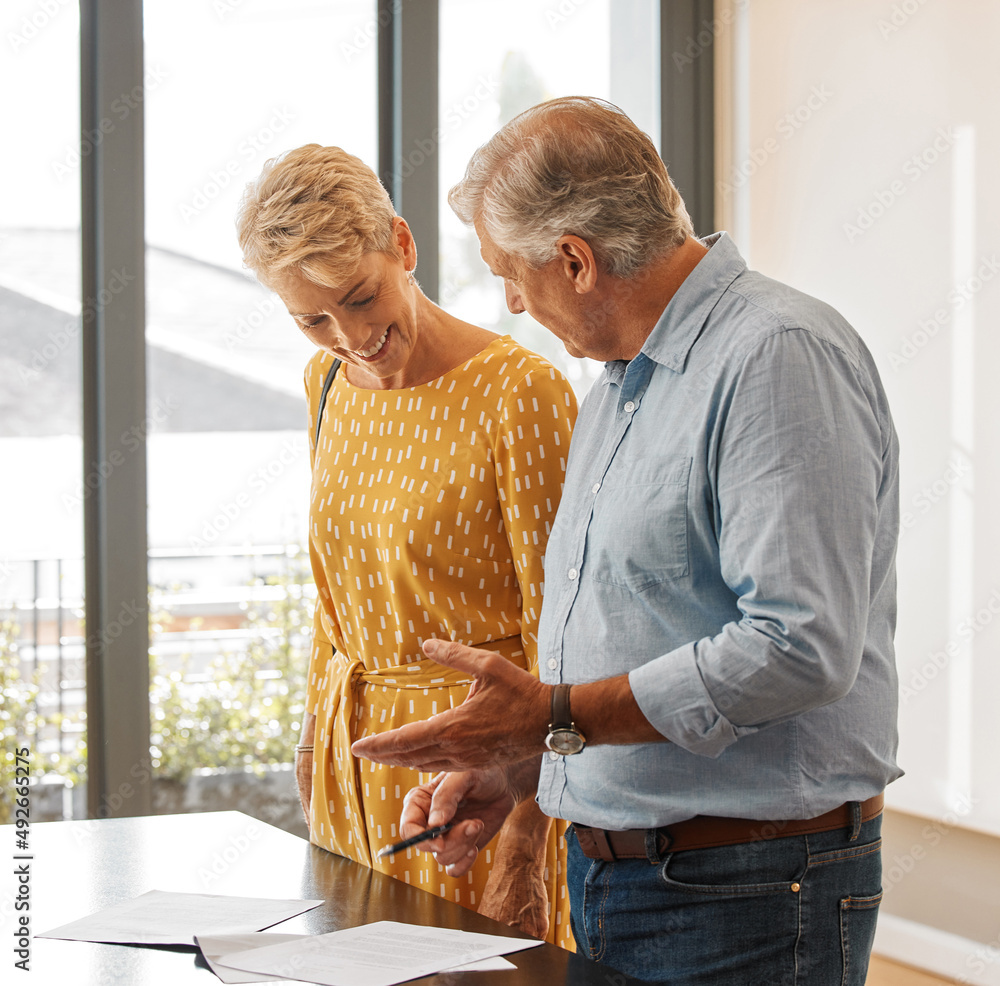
798 472
530 449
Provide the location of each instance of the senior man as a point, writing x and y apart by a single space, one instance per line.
717 704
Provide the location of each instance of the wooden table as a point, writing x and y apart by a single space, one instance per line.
81 867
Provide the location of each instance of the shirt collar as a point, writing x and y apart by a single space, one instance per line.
682 320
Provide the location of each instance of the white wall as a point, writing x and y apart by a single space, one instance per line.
862 153
857 160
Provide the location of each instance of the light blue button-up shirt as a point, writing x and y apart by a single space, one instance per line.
727 538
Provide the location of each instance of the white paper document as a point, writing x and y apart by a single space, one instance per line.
379 954
162 918
216 947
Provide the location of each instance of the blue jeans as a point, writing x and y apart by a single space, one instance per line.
794 911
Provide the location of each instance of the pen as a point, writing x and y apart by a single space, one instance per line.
413 840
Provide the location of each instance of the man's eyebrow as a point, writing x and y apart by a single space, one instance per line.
496 268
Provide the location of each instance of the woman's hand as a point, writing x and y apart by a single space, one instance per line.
515 893
304 764
477 801
303 777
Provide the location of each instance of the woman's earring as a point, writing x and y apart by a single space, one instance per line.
409 277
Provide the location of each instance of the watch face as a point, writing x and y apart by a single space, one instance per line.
565 741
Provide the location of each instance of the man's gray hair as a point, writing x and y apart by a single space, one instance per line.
577 166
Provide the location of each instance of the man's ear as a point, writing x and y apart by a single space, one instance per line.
579 265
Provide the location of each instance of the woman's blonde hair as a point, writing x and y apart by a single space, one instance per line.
573 166
315 211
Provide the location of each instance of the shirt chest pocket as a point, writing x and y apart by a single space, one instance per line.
638 535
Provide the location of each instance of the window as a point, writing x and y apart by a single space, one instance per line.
228 86
41 572
531 53
222 444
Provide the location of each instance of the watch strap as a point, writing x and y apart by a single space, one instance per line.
562 718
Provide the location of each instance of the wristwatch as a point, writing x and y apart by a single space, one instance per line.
564 738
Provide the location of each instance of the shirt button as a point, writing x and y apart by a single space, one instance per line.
595 487
553 756
553 664
629 407
571 574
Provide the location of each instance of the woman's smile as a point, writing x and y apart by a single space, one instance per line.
376 349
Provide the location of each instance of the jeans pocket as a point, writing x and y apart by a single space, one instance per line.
744 870
858 916
847 854
589 918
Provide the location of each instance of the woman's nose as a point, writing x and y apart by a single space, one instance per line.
514 303
348 333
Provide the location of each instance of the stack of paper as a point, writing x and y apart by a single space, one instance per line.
226 930
160 918
379 954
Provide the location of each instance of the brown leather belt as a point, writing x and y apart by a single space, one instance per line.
708 831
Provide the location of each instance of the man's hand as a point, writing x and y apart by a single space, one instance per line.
503 720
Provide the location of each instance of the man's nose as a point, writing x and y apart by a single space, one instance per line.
514 303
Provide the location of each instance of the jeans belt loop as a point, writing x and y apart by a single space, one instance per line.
855 809
657 843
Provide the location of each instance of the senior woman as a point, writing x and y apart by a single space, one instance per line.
438 457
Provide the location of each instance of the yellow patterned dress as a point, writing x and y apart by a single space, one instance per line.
431 507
